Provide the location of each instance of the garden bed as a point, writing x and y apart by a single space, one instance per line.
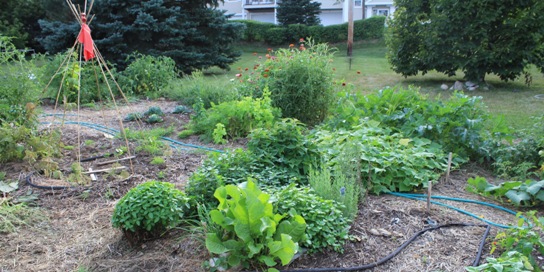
77 231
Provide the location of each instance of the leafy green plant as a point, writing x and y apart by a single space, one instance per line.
151 145
285 146
133 116
154 110
219 134
519 244
181 110
252 234
149 209
511 261
526 193
389 161
147 75
14 216
326 225
458 124
238 117
154 118
145 133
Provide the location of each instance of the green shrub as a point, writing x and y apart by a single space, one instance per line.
284 147
195 88
255 30
147 75
276 36
391 161
295 32
526 193
238 117
148 210
371 28
326 226
300 82
252 234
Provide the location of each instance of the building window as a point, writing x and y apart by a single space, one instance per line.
358 3
380 12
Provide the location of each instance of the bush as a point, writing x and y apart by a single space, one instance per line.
148 210
371 28
147 75
276 36
300 82
251 231
239 118
326 226
195 88
255 30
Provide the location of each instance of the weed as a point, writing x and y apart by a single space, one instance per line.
157 161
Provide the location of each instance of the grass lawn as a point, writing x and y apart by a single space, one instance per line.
370 71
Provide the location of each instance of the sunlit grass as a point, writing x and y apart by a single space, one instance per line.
370 71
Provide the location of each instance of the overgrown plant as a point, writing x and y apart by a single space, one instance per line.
252 233
147 75
299 79
149 209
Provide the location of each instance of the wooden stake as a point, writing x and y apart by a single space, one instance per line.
105 170
117 160
429 192
449 168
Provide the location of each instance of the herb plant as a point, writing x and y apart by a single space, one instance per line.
252 234
149 209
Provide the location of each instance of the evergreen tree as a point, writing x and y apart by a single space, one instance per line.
19 20
188 31
304 12
501 37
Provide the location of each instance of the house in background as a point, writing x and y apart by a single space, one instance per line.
332 11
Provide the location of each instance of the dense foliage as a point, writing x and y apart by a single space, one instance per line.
477 37
305 12
149 209
147 75
191 33
252 231
520 193
299 79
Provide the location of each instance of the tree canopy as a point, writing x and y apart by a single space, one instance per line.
304 12
191 32
501 37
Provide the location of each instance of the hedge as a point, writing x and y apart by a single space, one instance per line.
371 28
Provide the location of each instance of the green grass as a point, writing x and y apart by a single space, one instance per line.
370 71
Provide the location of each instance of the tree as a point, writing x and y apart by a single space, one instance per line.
304 12
501 37
19 20
194 35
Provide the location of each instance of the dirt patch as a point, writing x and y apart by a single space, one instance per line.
78 233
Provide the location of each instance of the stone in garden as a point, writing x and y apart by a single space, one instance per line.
444 87
471 84
458 86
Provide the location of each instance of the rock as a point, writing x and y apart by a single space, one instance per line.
472 88
374 232
458 86
444 87
470 84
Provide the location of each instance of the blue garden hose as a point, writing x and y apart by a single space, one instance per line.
423 197
172 143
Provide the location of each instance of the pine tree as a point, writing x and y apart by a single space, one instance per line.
188 31
304 12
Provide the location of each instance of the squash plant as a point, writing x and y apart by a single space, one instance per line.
252 232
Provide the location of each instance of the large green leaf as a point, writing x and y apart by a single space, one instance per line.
296 227
535 187
214 244
284 249
518 196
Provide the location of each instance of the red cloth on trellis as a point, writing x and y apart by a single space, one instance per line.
87 41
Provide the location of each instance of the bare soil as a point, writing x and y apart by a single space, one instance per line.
78 233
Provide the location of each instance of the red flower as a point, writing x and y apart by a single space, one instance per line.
266 70
267 56
238 75
265 75
301 40
246 69
269 49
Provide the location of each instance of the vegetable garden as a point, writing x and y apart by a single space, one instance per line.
282 167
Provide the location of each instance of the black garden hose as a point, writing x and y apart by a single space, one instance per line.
29 182
399 249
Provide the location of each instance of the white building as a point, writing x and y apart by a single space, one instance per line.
332 11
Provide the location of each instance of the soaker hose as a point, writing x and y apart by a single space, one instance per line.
399 249
29 182
423 197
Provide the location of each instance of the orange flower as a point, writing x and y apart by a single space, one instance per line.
302 48
246 69
268 56
291 45
266 70
255 54
269 49
265 75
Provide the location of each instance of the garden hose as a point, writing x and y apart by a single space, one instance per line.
173 143
423 197
399 249
29 182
